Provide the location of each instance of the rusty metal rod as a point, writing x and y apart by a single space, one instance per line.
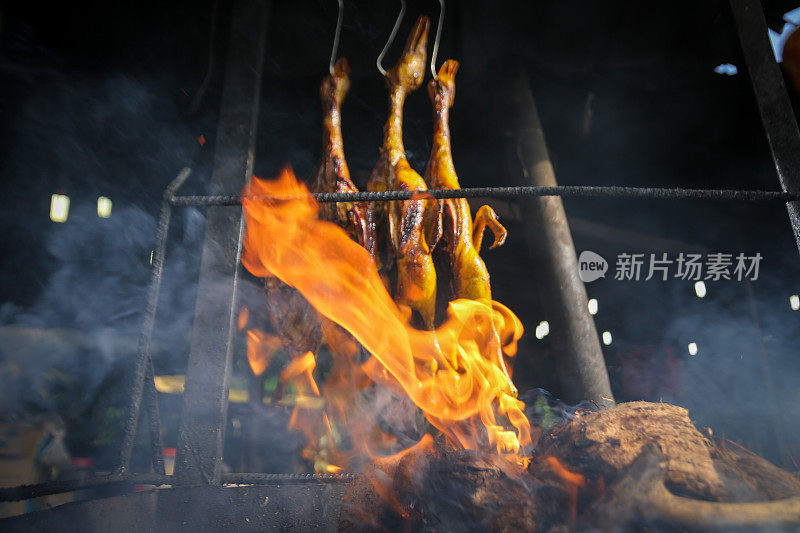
36 490
143 382
773 102
570 191
204 413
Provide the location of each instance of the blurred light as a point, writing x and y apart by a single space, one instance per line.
59 207
792 17
727 69
692 348
794 302
593 306
700 289
542 329
607 338
103 207
174 384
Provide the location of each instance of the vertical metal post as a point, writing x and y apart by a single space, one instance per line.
143 383
773 102
581 368
205 399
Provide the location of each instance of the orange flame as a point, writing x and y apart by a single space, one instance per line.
260 349
573 480
450 374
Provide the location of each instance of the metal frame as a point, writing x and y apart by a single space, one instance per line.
205 398
773 102
782 135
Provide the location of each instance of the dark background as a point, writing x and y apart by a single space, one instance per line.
111 98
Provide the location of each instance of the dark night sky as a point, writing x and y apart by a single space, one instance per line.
97 100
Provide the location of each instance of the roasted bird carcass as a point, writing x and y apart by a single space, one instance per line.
414 226
332 172
461 239
334 176
301 328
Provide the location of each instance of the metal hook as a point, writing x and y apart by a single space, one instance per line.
336 36
435 50
391 37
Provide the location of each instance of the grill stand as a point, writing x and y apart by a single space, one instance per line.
581 367
773 102
205 399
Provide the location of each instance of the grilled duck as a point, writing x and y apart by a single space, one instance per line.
461 239
332 172
334 176
414 226
300 327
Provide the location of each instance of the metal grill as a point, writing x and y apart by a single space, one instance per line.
779 124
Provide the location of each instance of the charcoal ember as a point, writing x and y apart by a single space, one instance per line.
441 489
601 444
600 471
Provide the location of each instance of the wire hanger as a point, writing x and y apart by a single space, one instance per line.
435 50
336 36
391 37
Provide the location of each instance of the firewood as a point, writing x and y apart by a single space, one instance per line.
601 444
638 465
639 499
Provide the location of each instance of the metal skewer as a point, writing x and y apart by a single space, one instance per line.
336 36
391 37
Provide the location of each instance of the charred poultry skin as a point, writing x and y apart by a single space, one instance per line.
332 173
414 226
461 238
301 328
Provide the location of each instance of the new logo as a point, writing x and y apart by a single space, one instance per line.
591 266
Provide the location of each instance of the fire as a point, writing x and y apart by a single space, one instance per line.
572 480
260 349
450 374
260 346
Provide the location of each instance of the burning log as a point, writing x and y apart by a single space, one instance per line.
601 444
641 498
434 486
636 465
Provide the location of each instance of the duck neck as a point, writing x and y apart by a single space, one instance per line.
332 125
441 126
393 132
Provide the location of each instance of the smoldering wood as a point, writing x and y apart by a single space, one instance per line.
638 464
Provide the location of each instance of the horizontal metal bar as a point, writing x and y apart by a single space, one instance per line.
269 479
25 492
655 193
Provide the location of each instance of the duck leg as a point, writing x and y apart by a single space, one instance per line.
462 240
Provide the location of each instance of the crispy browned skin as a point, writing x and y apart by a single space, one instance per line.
334 176
332 172
298 324
292 318
462 241
414 226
